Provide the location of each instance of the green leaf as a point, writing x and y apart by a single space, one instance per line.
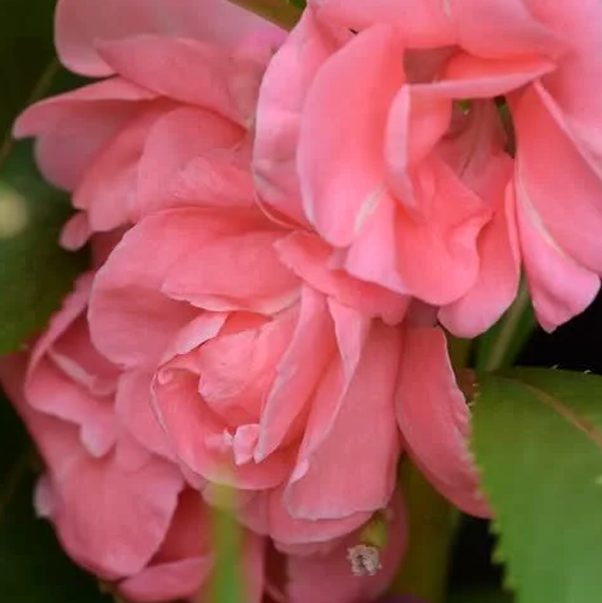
537 439
285 13
35 273
33 569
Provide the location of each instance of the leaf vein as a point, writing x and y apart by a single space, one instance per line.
581 423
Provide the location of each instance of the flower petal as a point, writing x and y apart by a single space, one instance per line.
351 456
282 95
421 24
73 127
131 320
188 71
340 146
173 141
567 200
435 420
311 259
81 23
498 279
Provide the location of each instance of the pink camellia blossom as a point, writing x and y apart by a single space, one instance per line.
120 509
274 349
379 124
172 114
273 372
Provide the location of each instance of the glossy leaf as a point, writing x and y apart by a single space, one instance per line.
537 439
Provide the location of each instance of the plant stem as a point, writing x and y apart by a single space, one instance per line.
431 521
281 12
505 339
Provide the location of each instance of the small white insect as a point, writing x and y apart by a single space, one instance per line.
364 560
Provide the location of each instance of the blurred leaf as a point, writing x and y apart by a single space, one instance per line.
285 13
35 273
500 346
537 439
33 569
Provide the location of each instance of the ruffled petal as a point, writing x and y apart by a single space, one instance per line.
68 379
132 320
498 279
351 329
435 420
128 522
312 260
109 185
501 28
240 272
133 406
421 24
567 200
282 95
80 24
549 269
431 255
573 84
73 127
185 560
202 440
266 513
174 141
326 491
340 146
188 71
311 348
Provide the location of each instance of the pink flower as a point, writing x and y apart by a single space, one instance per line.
120 509
168 124
267 348
274 372
378 125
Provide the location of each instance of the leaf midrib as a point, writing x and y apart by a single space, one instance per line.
565 411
